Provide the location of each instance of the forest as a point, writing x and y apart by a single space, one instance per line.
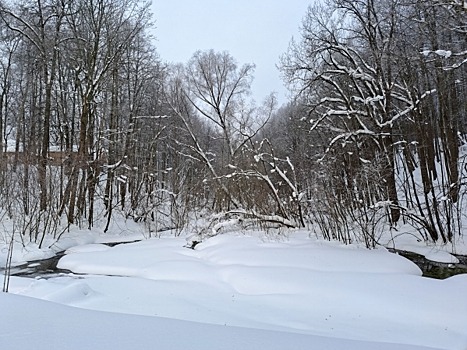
94 123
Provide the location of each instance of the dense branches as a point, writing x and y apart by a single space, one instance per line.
243 171
379 79
85 71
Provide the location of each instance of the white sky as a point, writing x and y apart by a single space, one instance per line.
253 31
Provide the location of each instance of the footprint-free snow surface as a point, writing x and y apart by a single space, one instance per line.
235 291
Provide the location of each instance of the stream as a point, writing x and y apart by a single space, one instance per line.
47 268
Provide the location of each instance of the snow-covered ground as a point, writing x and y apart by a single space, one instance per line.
235 291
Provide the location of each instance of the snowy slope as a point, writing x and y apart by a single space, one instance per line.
28 323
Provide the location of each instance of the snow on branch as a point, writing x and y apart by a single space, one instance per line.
446 54
153 117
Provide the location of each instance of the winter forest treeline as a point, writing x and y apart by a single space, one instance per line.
94 123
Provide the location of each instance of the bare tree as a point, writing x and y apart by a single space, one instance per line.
213 87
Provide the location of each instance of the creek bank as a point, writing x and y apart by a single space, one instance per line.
47 267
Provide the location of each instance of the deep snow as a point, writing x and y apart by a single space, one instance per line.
236 291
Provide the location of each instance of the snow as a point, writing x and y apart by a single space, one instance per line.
241 290
46 326
441 53
85 248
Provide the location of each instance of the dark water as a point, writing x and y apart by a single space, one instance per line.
435 269
39 268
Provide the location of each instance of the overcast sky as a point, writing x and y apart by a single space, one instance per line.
253 31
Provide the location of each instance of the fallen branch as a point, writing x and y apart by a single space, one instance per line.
241 220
